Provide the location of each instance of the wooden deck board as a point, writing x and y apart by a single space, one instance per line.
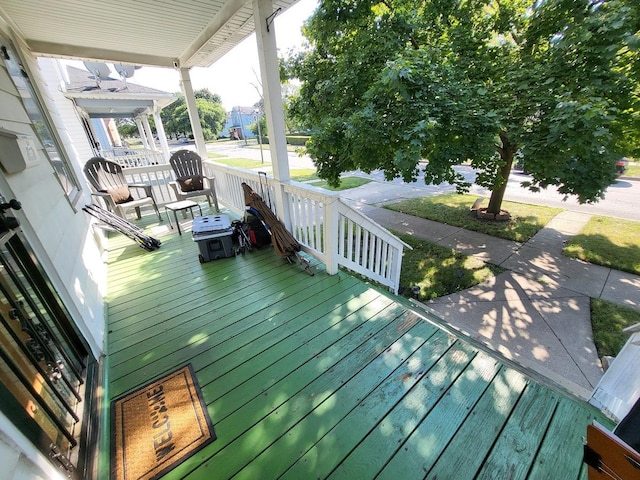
311 410
518 443
185 316
330 450
326 376
425 443
474 439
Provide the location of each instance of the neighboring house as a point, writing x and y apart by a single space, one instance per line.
239 121
100 100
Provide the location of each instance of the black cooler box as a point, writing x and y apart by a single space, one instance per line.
213 235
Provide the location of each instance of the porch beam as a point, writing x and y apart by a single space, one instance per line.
270 76
194 118
99 54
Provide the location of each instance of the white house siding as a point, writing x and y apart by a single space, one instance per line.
62 239
85 273
61 236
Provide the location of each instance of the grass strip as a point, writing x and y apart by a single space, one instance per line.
453 209
345 183
607 321
607 241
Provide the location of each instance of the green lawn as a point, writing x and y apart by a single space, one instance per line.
453 209
303 174
633 170
608 241
608 320
345 183
239 162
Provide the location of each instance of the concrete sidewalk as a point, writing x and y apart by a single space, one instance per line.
537 313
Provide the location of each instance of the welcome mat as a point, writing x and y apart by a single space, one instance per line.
158 425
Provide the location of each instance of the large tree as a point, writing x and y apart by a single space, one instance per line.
210 110
401 85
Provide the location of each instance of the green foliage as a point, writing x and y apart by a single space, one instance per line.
610 242
212 116
452 209
386 85
259 127
607 322
126 128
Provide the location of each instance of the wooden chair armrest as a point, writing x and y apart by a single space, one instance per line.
608 456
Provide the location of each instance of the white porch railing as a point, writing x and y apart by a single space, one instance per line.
327 228
139 157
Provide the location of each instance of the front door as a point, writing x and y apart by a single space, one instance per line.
46 369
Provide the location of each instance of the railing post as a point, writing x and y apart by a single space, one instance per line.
331 216
396 264
282 203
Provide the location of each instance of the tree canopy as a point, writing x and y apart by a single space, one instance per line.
212 115
401 85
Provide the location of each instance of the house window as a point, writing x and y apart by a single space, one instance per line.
41 122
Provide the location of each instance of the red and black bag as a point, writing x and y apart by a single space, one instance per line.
258 234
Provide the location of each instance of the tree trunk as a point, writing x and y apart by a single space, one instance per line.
507 152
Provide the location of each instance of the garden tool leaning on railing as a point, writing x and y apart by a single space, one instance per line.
284 243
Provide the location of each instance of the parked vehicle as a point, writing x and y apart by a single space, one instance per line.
622 165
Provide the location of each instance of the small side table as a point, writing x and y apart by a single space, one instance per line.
176 207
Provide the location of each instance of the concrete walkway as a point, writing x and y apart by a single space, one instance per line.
537 313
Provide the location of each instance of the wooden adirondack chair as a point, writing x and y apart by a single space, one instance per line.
190 179
109 183
614 454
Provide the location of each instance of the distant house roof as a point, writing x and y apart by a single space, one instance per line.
112 97
244 110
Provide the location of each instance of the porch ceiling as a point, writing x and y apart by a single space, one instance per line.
189 33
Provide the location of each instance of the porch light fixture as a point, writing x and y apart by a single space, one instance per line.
269 20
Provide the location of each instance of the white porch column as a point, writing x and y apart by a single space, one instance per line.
143 134
162 136
194 118
270 75
147 129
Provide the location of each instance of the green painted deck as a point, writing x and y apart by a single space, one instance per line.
326 376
